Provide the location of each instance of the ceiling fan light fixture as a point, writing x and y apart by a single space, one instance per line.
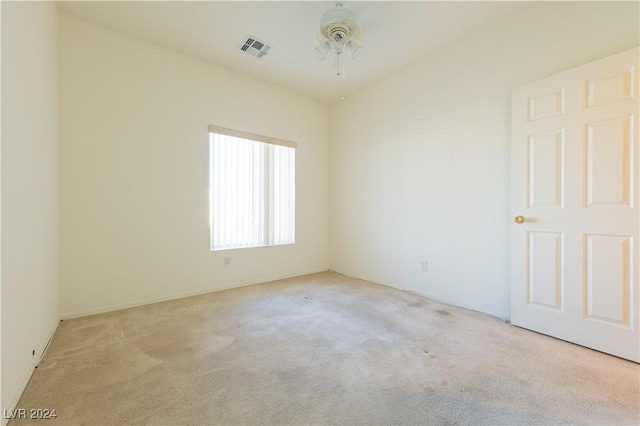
353 49
339 32
323 50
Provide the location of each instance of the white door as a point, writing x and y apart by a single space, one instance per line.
574 183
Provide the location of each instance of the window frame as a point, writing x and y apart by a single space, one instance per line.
268 191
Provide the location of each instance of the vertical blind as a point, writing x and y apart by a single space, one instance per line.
252 191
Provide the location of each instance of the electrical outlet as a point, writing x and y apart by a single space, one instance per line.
227 261
424 266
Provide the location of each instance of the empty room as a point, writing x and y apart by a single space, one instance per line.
317 212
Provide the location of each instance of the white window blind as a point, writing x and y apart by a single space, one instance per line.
252 190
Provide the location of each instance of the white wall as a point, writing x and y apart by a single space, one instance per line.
134 171
29 190
420 161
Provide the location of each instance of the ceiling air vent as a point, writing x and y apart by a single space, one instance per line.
254 47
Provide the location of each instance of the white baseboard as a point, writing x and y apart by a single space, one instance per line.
120 306
445 302
35 361
426 295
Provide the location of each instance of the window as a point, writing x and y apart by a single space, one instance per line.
252 190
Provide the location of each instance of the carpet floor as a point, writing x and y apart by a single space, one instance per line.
321 349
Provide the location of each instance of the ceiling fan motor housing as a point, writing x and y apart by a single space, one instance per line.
337 35
338 26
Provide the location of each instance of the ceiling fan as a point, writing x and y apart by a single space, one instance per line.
338 32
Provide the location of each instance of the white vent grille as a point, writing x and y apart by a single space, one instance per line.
254 47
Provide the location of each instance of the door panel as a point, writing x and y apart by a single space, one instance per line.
607 283
574 265
610 88
545 276
545 169
608 146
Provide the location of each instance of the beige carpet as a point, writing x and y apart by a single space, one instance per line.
322 349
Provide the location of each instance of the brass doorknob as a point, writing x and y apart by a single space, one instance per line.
518 219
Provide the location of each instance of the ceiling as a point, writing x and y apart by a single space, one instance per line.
395 35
